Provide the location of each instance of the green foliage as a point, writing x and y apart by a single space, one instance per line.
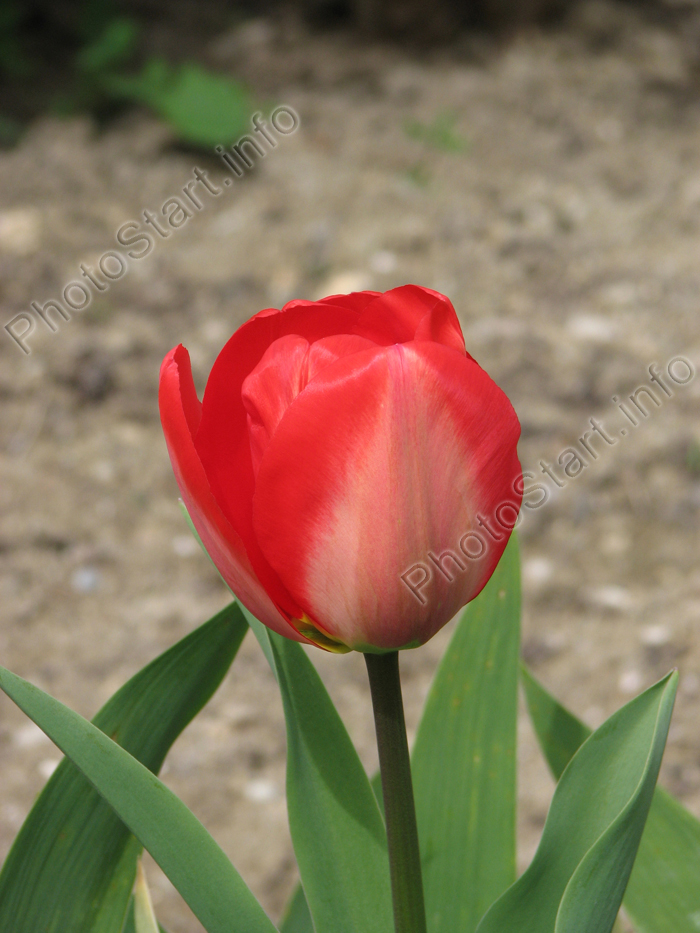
97 50
692 458
464 759
73 843
337 829
78 839
111 48
204 108
440 133
297 917
663 892
576 881
130 922
13 61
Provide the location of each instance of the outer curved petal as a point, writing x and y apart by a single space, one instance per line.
355 301
222 440
180 412
441 325
395 451
395 317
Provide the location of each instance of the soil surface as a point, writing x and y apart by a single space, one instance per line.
550 187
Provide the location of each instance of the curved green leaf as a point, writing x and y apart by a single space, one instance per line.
183 848
464 759
206 109
297 917
337 830
664 889
578 876
73 863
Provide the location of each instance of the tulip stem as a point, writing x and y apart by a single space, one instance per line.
397 787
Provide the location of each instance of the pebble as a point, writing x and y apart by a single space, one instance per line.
185 545
47 766
383 261
85 579
591 327
29 736
538 570
611 597
20 231
261 791
654 636
630 682
342 283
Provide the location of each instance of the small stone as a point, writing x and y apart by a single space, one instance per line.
29 736
20 231
261 791
655 636
47 766
538 570
185 545
342 283
630 682
591 327
85 579
383 262
611 597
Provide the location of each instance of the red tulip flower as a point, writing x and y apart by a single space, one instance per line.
351 471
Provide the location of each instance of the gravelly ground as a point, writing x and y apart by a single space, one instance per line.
565 226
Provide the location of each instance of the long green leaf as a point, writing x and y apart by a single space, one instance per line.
337 830
183 848
578 876
464 759
663 893
73 863
297 917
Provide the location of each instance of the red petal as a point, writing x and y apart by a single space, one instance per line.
180 412
441 325
395 316
385 458
271 387
355 301
326 351
222 440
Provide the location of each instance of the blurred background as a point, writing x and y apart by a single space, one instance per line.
539 162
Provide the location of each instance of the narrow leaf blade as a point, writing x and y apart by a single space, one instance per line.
664 890
336 826
464 759
183 848
73 864
297 917
578 876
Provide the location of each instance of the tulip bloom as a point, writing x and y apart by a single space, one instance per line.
342 465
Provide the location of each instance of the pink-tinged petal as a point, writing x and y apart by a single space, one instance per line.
222 440
396 452
180 412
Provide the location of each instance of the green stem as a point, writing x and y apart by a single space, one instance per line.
397 787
